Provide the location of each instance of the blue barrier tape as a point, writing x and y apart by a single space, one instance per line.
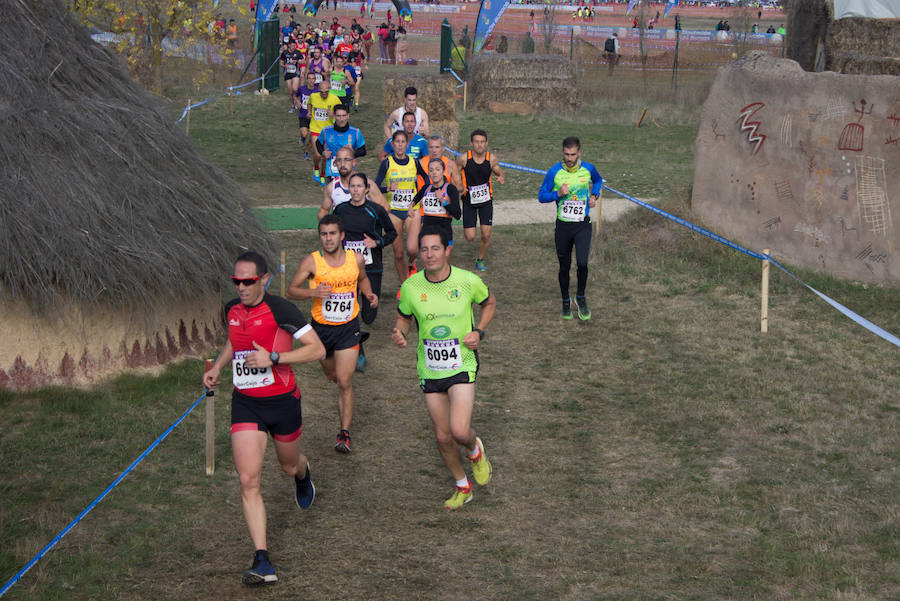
855 317
858 319
93 503
689 225
229 88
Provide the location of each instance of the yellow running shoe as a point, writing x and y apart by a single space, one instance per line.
481 465
460 497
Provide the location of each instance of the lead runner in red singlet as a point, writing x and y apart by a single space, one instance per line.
262 329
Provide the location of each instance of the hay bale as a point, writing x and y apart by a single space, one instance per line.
512 108
437 95
542 81
863 46
449 130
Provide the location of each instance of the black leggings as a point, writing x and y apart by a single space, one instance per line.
369 313
569 234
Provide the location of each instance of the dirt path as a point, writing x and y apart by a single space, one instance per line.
517 212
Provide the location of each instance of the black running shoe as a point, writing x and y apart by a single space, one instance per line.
306 490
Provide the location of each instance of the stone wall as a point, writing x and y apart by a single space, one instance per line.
806 164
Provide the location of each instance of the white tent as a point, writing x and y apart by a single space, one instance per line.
875 9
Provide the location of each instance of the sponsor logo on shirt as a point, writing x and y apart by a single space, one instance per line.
453 294
440 332
234 322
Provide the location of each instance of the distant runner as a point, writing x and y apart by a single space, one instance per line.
574 186
478 166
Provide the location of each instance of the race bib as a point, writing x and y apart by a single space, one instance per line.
337 85
244 377
359 246
290 68
572 209
479 194
401 199
304 100
320 114
432 205
338 307
442 355
318 78
332 168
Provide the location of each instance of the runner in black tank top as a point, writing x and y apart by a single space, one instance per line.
477 166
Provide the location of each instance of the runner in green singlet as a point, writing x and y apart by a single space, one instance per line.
440 298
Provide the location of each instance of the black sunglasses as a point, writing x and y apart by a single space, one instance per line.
245 281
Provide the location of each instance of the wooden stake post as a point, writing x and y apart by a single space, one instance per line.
187 126
210 428
764 304
599 214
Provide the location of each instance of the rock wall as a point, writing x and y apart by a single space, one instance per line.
78 346
805 164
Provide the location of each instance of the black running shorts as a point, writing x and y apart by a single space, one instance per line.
444 384
473 214
281 416
338 338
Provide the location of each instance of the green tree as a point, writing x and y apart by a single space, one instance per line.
145 28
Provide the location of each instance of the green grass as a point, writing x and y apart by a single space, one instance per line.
664 450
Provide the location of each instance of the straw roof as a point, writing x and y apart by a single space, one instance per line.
103 198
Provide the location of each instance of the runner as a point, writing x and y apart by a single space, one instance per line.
478 166
436 152
435 204
303 94
416 146
397 179
440 298
291 62
337 191
410 105
337 136
574 186
335 275
343 77
358 60
319 65
265 400
321 112
368 229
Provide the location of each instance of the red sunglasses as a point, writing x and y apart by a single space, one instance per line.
245 281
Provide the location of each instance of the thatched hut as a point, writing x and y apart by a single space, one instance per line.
117 237
545 82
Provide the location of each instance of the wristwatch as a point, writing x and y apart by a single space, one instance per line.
274 357
480 333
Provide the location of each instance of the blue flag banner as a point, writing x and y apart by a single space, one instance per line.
265 8
669 6
488 15
631 4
